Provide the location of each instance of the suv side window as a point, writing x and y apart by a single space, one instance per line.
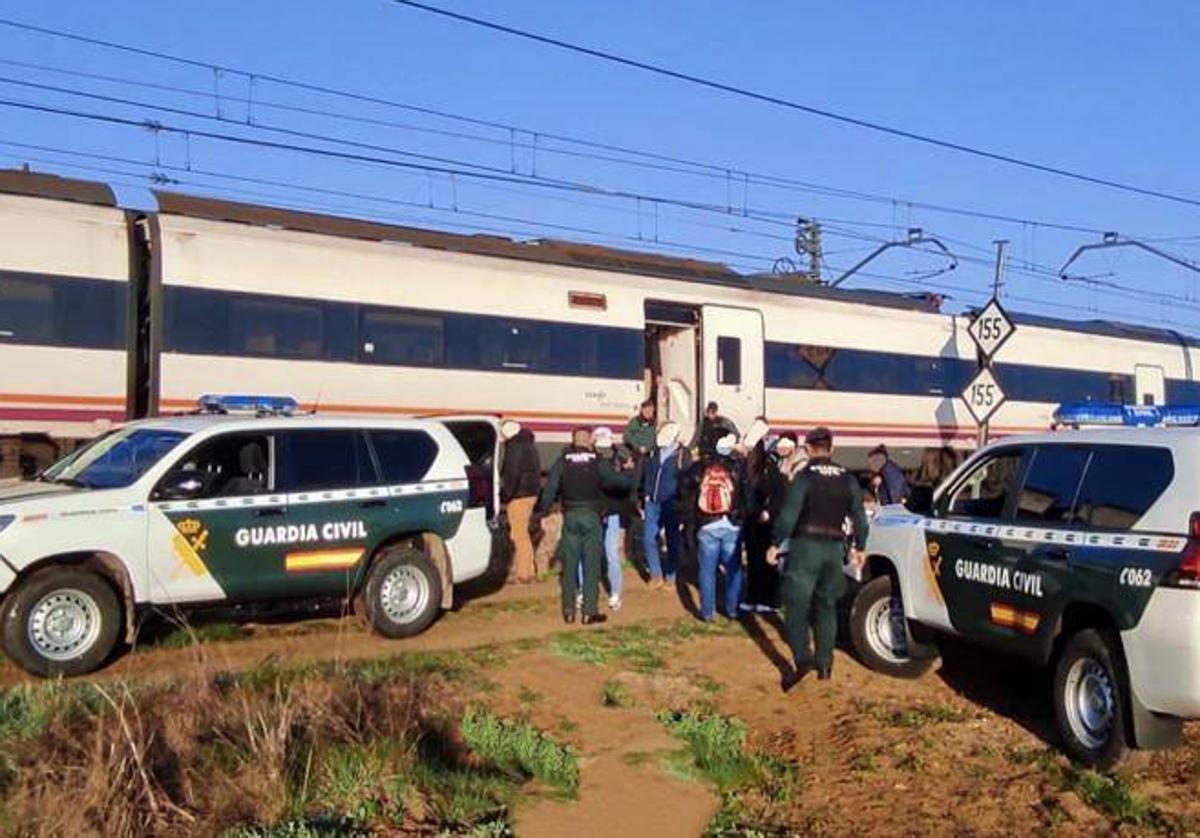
404 455
1051 483
987 489
325 459
1121 484
230 465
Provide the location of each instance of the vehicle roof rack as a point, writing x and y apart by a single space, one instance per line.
1080 414
253 405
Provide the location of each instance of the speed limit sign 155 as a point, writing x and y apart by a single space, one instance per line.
983 395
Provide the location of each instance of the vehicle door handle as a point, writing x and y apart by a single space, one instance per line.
378 503
1055 554
268 512
982 543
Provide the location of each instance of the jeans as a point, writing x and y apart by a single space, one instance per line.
662 515
720 547
612 553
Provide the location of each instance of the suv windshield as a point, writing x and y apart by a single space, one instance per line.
115 460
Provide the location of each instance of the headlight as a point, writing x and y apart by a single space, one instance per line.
5 520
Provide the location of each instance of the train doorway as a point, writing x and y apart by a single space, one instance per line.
1151 384
698 354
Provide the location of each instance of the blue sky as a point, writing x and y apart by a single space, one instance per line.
1101 87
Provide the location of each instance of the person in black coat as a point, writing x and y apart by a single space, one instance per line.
520 482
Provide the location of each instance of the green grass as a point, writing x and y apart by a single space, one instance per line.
1111 795
204 633
716 745
518 746
615 694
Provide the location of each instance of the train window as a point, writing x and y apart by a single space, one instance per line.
62 311
810 367
275 327
197 321
1049 384
620 353
602 351
729 361
404 338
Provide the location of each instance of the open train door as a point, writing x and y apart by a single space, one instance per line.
732 362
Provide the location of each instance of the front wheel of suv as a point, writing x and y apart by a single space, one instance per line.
878 631
61 621
1090 697
403 594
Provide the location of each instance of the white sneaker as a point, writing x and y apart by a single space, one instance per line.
764 609
579 600
745 607
614 603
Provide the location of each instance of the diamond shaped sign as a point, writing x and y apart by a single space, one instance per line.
991 328
983 395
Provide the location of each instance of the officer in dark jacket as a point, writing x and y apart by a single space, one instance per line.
580 476
820 499
713 427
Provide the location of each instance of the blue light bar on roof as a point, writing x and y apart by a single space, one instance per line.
241 403
1126 415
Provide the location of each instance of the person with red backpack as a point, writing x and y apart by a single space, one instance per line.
716 488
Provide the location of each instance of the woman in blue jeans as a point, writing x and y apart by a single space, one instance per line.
715 488
619 507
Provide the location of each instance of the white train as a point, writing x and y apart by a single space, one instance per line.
108 313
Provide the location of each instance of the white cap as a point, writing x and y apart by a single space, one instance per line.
785 442
509 428
726 444
668 433
602 437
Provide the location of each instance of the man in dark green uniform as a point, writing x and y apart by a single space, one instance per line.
820 499
580 476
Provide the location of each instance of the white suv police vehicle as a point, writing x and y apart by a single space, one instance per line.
1079 550
181 512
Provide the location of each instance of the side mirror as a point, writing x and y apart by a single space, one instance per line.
184 484
920 500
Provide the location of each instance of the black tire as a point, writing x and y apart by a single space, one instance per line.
873 627
62 621
403 594
1091 695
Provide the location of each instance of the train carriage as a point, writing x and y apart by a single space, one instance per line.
107 313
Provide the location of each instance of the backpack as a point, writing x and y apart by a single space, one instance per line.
716 490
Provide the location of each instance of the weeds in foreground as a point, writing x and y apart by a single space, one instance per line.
639 647
615 694
317 750
755 788
518 745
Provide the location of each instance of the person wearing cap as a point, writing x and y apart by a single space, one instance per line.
579 476
714 488
810 523
714 427
660 492
618 511
520 480
887 479
765 489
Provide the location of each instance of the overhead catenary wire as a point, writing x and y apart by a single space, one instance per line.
824 113
717 169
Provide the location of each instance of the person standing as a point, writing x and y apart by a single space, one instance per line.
715 485
580 476
887 479
764 483
660 490
714 427
810 522
618 511
640 430
520 480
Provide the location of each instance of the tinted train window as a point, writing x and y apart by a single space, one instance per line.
407 339
404 456
62 311
1121 484
729 361
813 367
1047 384
276 328
1048 494
986 491
325 459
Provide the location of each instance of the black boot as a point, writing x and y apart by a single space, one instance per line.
593 619
824 672
794 676
569 618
